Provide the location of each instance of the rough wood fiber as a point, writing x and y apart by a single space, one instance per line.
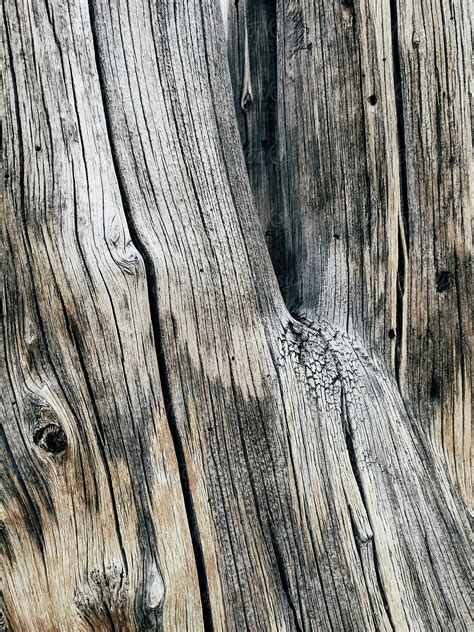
434 46
94 528
374 158
252 34
269 412
340 163
314 503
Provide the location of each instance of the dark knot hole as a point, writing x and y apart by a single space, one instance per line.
443 281
51 438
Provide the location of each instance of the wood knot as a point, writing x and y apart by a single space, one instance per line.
46 430
50 438
104 595
129 260
246 102
372 100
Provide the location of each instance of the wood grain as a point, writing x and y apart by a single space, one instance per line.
94 524
368 183
435 354
242 469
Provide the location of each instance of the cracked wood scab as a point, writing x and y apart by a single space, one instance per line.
142 324
365 199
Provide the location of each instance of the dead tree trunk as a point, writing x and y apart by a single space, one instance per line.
181 452
355 127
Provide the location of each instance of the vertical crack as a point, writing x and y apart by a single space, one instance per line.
163 372
346 424
252 57
282 573
403 223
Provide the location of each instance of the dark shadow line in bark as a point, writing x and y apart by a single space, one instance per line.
163 371
356 472
404 207
266 105
282 572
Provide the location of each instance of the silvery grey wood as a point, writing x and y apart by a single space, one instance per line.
181 452
360 172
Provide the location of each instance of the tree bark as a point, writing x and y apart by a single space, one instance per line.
181 452
367 178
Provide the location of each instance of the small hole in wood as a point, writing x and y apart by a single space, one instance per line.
434 389
391 334
51 438
372 99
336 236
37 147
443 281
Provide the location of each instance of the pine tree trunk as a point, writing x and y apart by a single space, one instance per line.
187 445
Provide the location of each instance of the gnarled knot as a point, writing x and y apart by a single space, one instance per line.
128 258
104 593
51 438
107 593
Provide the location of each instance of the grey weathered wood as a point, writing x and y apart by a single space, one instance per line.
373 163
313 501
252 33
434 46
91 481
340 164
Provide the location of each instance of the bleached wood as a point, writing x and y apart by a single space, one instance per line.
94 528
360 173
313 502
435 364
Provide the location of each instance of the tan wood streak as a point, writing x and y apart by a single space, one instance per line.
109 525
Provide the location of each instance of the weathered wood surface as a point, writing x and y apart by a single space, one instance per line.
141 314
92 481
435 364
252 29
368 183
